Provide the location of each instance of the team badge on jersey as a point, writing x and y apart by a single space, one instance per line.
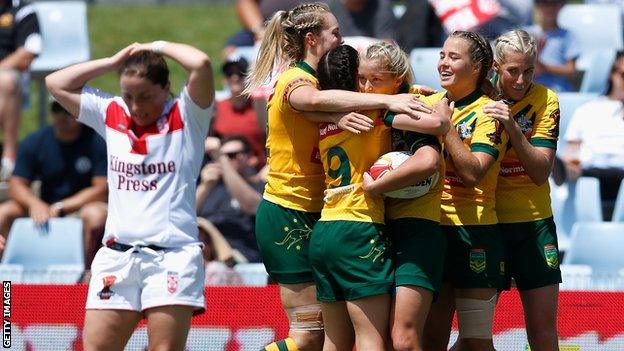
106 292
552 256
172 282
554 131
464 129
477 260
496 136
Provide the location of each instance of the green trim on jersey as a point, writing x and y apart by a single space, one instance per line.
543 142
306 67
469 99
481 147
417 140
389 118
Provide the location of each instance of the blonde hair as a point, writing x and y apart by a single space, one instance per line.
516 40
283 41
394 59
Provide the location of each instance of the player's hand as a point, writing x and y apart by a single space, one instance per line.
407 103
138 47
425 90
499 111
122 55
211 173
367 185
39 213
444 111
355 123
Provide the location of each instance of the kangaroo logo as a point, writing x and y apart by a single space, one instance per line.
379 246
295 236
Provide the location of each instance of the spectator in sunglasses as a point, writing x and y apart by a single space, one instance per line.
228 194
236 115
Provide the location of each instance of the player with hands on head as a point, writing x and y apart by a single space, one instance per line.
151 264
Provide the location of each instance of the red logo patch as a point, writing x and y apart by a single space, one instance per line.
172 282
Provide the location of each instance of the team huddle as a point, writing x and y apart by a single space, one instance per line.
388 272
366 255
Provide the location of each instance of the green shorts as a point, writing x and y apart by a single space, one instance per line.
350 260
475 257
419 252
532 253
283 237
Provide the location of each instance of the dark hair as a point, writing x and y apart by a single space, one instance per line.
147 64
56 107
338 69
480 52
241 138
618 56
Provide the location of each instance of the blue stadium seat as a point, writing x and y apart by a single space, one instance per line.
249 53
424 62
596 26
598 245
618 210
596 77
568 103
36 248
563 214
587 202
252 273
65 41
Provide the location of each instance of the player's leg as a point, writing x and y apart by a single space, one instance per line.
283 237
339 333
478 277
370 317
535 268
437 330
540 315
419 262
108 330
168 327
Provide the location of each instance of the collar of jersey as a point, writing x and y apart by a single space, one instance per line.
304 66
469 99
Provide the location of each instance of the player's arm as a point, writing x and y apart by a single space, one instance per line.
470 166
350 121
422 164
436 123
567 69
96 192
308 98
209 176
239 188
200 83
67 84
537 161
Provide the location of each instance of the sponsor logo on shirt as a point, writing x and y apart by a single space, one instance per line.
127 171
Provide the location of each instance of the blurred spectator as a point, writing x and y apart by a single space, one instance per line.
70 161
229 193
419 27
558 49
20 42
253 14
513 14
236 115
595 139
218 255
365 18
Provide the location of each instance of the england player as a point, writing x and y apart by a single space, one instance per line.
530 114
151 264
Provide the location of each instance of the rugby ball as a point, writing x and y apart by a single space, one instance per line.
393 160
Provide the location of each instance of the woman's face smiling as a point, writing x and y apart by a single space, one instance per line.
372 78
455 66
515 74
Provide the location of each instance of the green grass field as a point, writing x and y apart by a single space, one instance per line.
112 27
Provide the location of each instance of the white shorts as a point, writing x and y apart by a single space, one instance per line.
142 278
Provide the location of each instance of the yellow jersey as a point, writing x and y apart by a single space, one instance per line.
463 205
428 205
295 177
346 156
518 199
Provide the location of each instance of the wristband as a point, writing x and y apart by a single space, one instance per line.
158 45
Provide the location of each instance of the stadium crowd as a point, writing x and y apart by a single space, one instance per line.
284 180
